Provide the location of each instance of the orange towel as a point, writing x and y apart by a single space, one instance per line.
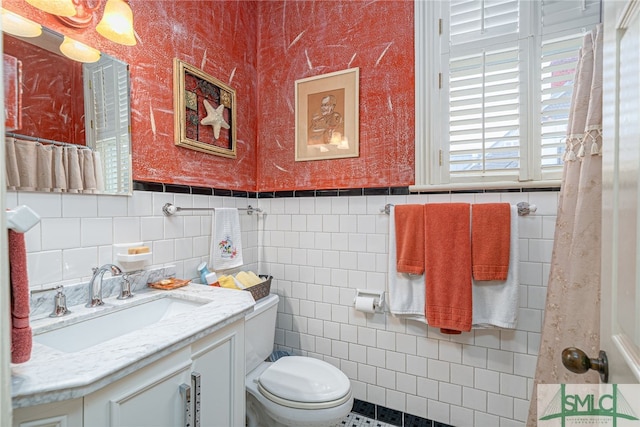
21 337
448 266
410 238
490 240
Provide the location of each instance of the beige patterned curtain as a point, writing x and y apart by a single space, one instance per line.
572 311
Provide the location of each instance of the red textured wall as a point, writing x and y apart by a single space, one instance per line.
51 88
308 38
260 49
217 37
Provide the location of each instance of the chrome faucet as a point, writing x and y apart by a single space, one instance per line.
95 285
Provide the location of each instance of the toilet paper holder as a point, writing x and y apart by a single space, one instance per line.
378 298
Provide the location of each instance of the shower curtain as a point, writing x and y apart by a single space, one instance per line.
572 310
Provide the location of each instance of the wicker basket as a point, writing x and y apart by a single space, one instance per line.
261 290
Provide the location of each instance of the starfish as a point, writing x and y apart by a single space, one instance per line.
214 118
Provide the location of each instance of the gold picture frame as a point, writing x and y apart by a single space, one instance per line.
204 111
327 116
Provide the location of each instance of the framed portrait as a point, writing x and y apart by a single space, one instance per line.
204 111
327 116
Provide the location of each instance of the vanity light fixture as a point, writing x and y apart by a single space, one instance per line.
116 23
78 51
16 25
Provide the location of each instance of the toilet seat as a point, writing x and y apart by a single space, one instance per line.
304 383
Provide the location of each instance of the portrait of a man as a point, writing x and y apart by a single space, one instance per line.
326 122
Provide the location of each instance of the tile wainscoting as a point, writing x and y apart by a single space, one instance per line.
320 246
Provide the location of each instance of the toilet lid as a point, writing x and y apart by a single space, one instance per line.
304 379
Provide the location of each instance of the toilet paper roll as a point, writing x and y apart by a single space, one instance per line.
365 304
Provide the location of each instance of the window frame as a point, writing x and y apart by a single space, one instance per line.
432 104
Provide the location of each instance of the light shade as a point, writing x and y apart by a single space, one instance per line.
56 7
77 51
117 23
15 24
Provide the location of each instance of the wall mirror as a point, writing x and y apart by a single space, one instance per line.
68 107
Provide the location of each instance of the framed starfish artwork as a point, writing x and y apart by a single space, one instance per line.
327 116
204 111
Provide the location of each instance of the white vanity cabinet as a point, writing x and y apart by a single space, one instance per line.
155 395
59 414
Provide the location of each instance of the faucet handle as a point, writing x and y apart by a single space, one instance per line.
60 303
125 290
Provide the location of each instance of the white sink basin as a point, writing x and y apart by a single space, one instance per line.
110 324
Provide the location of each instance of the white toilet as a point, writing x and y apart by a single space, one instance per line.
294 390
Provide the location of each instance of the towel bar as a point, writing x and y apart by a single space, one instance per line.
169 209
524 208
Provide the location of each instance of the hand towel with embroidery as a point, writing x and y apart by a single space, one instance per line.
226 242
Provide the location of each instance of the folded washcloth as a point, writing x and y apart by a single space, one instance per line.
21 336
406 291
409 223
490 231
448 266
226 242
495 303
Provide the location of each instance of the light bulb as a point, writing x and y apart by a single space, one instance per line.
117 23
15 24
78 51
55 7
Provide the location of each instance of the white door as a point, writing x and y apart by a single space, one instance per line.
620 313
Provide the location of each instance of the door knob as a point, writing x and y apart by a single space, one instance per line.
577 361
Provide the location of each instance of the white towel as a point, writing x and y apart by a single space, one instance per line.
495 302
226 241
44 160
406 291
26 157
13 176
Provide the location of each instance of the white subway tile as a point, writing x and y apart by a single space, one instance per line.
462 375
340 349
540 250
348 333
292 205
192 226
44 267
96 231
332 330
406 343
474 356
417 406
323 205
427 388
417 366
376 243
183 248
283 223
537 296
33 238
163 251
141 204
520 409
450 352
396 400
513 385
367 336
367 373
487 338
438 370
474 399
376 357
450 393
307 205
396 361
438 411
386 378
376 395
500 361
46 205
530 227
358 353
487 380
78 262
79 205
483 419
524 364
125 229
357 242
60 233
427 347
323 345
461 416
514 340
111 206
533 343
530 273
529 320
386 340
339 313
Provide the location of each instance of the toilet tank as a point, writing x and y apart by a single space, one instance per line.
260 330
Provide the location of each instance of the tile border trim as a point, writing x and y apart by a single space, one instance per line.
160 187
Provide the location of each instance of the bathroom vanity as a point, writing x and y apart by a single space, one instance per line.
184 368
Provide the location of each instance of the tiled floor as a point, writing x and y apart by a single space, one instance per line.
357 420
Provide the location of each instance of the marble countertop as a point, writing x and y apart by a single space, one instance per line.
52 375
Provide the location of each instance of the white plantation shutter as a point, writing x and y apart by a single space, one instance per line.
108 117
505 76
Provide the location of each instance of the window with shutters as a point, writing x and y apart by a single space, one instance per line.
108 119
494 80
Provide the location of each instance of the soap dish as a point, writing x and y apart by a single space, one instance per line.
134 257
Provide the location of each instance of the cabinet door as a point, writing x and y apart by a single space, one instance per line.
58 414
219 359
148 397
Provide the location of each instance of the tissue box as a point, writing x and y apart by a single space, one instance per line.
260 290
